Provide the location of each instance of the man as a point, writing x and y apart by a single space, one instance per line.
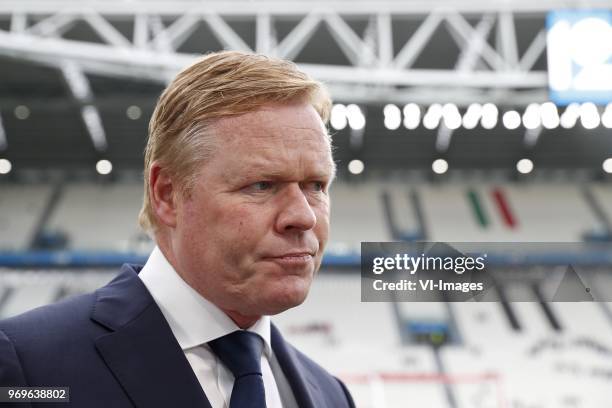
238 167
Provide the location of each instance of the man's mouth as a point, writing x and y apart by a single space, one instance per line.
292 258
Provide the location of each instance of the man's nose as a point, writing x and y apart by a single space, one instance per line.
296 212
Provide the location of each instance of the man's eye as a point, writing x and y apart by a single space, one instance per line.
261 186
318 185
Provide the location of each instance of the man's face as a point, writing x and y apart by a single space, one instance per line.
251 235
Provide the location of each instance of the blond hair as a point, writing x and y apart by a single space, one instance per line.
219 85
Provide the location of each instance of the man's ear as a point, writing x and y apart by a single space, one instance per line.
163 195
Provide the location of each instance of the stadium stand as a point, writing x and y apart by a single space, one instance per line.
99 216
21 207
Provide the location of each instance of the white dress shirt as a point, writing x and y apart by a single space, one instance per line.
195 321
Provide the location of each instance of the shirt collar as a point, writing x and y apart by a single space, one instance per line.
193 319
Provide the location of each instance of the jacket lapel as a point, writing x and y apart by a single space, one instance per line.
304 387
140 349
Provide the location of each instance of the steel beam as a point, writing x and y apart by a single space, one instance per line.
290 8
225 34
295 41
3 141
374 71
506 32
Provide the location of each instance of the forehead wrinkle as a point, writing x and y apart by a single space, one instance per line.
282 163
275 146
287 167
282 136
231 128
274 142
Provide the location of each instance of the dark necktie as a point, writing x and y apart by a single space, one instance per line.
240 351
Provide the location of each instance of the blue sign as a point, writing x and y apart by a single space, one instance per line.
579 44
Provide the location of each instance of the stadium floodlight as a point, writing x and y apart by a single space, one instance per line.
549 115
570 116
524 166
356 166
589 116
606 118
356 119
431 120
439 166
607 165
511 119
22 112
133 112
451 116
472 116
412 116
104 167
489 116
338 118
393 116
5 166
531 116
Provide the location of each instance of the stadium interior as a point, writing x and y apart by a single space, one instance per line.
445 130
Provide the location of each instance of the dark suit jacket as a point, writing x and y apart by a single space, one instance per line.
114 348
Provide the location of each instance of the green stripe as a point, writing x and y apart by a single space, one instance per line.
479 213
